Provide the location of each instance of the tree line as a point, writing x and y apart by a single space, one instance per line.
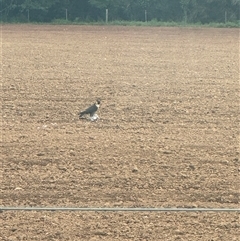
190 11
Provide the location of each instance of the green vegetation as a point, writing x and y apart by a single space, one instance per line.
149 23
215 13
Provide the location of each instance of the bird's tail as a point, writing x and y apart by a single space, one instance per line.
81 114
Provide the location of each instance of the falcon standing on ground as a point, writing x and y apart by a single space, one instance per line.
91 110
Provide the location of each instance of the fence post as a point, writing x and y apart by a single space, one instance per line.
146 16
28 15
66 13
106 15
225 16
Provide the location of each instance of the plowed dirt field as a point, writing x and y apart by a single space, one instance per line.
168 134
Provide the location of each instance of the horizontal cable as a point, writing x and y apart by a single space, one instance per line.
118 209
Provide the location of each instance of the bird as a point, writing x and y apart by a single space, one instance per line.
91 110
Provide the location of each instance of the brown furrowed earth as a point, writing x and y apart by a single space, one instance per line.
168 134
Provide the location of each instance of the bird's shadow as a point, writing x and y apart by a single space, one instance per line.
88 119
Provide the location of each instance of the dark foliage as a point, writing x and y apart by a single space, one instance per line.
191 11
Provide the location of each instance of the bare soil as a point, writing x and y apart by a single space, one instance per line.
168 134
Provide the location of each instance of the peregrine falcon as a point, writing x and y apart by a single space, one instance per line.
91 110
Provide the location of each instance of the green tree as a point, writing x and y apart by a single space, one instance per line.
191 11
